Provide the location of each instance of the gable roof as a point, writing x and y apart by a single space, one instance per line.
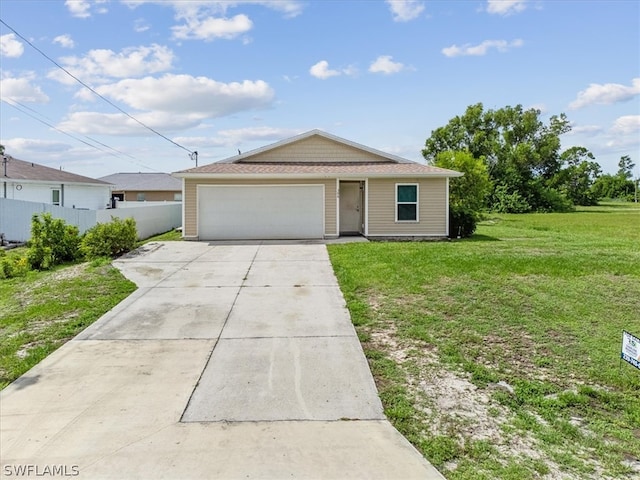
144 181
29 171
358 160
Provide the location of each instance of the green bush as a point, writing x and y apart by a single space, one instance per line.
462 222
110 239
12 265
52 242
509 202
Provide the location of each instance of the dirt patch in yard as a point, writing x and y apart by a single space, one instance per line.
454 407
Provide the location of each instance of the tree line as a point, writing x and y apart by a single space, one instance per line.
513 163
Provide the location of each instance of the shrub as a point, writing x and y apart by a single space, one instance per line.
110 239
12 266
52 242
462 222
509 202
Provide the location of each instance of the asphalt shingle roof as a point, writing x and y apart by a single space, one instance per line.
144 181
375 168
21 170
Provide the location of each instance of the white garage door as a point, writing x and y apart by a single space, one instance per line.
260 212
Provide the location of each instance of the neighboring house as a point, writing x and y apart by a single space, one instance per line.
314 185
36 183
145 187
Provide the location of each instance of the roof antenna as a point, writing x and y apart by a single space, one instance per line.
239 152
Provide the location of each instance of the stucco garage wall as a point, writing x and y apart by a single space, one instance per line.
190 228
432 215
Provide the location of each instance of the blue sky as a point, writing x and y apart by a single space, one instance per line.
217 77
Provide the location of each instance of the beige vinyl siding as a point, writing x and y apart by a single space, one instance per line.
432 212
191 205
315 149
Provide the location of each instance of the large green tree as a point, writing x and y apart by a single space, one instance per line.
472 190
576 179
521 152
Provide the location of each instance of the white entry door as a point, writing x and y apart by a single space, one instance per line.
260 212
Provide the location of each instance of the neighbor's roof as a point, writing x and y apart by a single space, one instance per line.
385 164
29 171
144 181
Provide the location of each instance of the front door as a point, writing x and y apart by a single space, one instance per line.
350 208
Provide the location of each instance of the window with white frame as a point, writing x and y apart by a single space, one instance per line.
177 197
140 197
55 196
406 202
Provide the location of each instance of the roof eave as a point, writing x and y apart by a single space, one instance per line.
272 176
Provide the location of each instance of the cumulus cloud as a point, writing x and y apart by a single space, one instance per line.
505 7
97 123
405 10
22 89
481 49
211 20
18 146
98 66
211 28
240 136
170 103
185 93
322 71
385 64
64 41
587 130
627 125
606 94
10 47
82 8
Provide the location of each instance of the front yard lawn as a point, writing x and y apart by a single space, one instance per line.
499 356
42 310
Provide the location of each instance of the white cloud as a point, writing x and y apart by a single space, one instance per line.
627 125
505 7
92 123
19 146
22 89
64 41
210 28
322 71
405 10
98 65
606 94
185 93
209 20
82 8
587 130
10 47
237 137
78 8
385 64
141 25
539 106
481 49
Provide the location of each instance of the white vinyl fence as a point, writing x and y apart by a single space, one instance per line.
151 219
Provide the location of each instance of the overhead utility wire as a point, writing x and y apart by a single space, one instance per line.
11 102
93 91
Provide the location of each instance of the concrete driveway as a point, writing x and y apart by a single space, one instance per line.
229 361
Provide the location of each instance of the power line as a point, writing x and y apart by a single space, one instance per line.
92 90
11 104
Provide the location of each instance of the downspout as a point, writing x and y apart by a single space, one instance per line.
62 195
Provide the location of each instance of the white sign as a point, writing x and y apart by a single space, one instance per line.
631 349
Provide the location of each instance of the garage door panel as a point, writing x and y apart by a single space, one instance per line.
260 212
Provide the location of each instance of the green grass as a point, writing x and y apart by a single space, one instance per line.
42 310
536 301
